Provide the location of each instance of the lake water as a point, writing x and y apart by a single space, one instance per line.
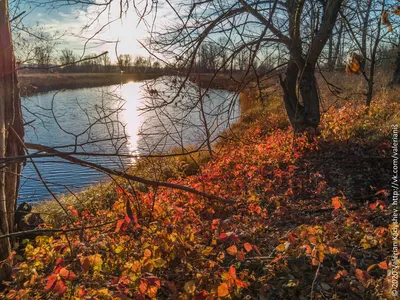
116 119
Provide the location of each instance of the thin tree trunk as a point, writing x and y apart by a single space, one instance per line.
11 125
373 60
331 61
338 46
396 73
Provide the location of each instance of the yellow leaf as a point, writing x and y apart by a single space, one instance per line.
190 287
207 251
281 248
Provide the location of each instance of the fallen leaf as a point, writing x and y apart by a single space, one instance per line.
232 250
223 290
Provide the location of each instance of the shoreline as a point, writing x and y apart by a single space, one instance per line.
31 84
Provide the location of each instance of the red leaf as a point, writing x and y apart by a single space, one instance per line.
127 219
74 212
119 225
292 236
215 223
59 261
201 295
223 236
248 247
60 287
240 256
383 265
51 280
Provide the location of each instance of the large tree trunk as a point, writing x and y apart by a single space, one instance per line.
310 96
306 114
11 133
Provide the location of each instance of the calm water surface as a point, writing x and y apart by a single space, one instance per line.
109 120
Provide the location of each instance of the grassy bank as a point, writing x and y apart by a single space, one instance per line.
41 83
311 219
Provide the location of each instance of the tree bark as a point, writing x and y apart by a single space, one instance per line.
306 114
396 73
11 125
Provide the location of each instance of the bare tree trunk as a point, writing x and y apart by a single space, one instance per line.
338 46
365 28
331 61
310 96
396 73
11 130
304 115
371 78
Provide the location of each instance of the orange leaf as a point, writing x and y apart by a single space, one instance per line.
383 265
248 247
223 290
336 202
119 225
342 273
359 274
81 291
232 272
371 267
143 286
147 253
232 250
67 274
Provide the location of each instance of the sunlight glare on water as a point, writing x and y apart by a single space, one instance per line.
107 120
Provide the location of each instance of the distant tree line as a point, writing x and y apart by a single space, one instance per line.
46 59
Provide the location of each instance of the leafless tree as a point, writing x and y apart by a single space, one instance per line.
365 24
67 57
301 27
